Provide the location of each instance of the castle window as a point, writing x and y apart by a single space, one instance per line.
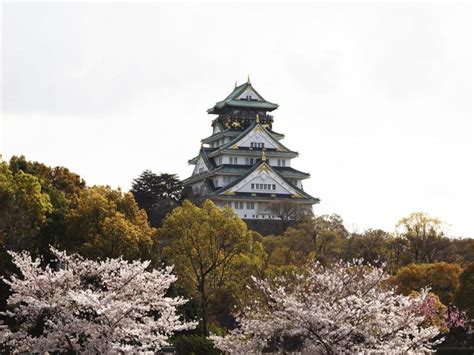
250 205
201 170
238 205
257 145
263 186
283 162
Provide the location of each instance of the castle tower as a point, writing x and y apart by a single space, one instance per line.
243 163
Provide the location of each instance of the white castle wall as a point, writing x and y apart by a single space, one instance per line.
260 210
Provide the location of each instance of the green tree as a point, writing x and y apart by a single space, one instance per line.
465 295
371 246
24 208
59 178
205 245
294 247
462 251
442 278
320 239
62 187
328 235
157 194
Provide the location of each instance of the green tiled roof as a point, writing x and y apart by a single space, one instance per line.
205 152
264 197
241 169
233 101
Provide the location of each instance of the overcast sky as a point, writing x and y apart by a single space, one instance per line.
376 97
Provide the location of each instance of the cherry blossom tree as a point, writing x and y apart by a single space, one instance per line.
91 306
344 308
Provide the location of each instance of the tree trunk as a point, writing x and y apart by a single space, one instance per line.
202 289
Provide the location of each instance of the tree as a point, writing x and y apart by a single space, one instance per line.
463 252
91 307
290 213
344 308
312 239
442 279
107 223
371 246
62 187
425 237
464 297
59 178
157 194
24 208
204 244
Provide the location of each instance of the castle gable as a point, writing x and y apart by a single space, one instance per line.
263 179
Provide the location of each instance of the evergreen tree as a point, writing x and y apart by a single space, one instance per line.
157 194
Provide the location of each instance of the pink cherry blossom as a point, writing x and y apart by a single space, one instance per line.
340 309
91 306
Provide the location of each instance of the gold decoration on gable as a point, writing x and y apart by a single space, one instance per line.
263 168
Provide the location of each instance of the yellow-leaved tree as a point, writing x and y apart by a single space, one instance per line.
103 222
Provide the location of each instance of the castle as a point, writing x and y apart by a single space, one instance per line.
244 165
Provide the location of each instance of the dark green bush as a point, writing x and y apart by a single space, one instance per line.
194 345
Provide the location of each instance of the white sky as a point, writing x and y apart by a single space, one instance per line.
376 97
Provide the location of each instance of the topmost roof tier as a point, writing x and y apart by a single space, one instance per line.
243 97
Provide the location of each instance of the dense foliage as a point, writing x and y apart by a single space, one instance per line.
213 252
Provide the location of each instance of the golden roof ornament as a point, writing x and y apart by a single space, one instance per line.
264 155
257 119
248 79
